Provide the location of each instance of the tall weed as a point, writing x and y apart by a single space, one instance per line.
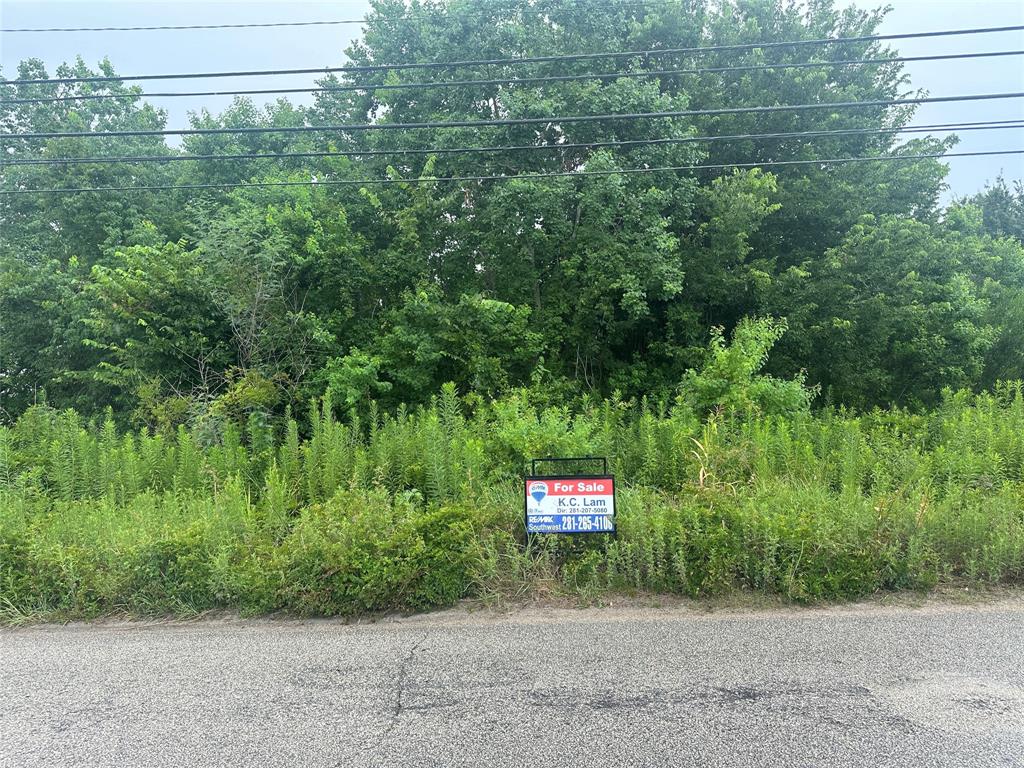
419 508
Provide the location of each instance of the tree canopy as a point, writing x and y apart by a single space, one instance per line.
172 305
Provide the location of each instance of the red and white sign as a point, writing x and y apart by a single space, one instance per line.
570 504
574 486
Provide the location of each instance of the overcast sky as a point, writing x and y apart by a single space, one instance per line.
316 46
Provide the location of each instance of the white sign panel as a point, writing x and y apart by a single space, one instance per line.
570 504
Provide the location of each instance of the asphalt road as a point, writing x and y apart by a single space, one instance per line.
862 686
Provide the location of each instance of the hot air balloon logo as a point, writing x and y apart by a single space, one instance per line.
538 490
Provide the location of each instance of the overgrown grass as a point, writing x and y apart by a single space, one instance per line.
417 510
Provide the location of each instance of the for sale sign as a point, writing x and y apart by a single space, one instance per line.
570 504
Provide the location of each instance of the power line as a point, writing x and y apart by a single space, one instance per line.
648 53
334 22
515 177
520 80
971 126
186 26
512 121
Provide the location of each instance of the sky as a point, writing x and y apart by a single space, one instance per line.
323 46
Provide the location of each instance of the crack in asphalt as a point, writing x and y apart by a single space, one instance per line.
943 689
399 706
403 673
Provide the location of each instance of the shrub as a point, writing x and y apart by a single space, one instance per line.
363 552
417 509
729 378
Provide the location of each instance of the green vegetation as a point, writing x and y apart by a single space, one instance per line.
247 397
177 307
419 509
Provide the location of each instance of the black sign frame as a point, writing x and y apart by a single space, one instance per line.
614 532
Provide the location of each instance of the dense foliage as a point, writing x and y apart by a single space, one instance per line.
185 306
419 509
319 397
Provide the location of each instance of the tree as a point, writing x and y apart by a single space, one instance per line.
1002 208
150 313
480 344
729 380
898 311
48 243
608 277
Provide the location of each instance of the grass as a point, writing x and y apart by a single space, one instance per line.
417 510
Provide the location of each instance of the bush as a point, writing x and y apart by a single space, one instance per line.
362 552
416 510
729 378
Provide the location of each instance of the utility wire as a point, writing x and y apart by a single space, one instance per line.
335 22
511 121
519 80
514 177
185 26
972 126
648 53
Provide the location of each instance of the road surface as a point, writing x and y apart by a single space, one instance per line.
941 685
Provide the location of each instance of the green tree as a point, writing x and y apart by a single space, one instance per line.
48 243
151 315
478 343
591 283
898 311
1002 208
729 380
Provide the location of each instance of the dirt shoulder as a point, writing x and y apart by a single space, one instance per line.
622 607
